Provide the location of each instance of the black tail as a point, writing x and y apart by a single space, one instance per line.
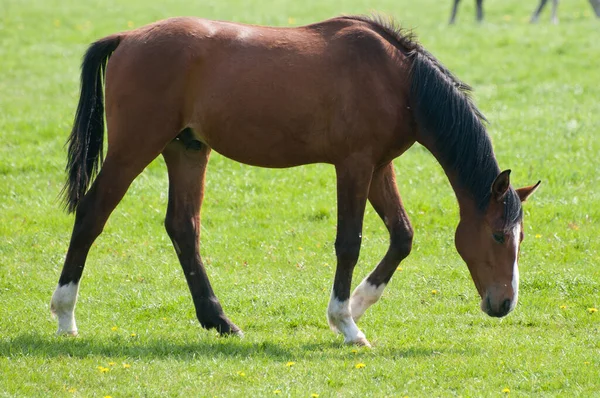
86 139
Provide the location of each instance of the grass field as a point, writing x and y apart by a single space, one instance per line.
268 234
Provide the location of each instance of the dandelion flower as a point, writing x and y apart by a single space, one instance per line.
434 291
314 395
102 369
133 335
592 310
72 389
506 390
359 365
241 374
114 328
290 364
538 236
277 392
586 363
399 269
354 351
126 366
563 307
111 364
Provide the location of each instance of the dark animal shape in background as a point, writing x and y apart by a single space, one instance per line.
353 92
536 13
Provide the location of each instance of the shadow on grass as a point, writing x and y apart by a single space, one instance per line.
56 346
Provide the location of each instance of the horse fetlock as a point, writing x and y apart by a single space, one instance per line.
364 296
62 306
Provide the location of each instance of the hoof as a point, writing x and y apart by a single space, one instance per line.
67 333
360 342
236 333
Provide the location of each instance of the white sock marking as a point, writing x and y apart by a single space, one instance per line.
340 320
515 278
62 306
364 296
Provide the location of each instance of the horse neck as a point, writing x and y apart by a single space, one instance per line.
470 172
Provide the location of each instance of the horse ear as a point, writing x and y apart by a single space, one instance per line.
526 192
501 185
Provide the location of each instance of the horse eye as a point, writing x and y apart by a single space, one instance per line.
498 237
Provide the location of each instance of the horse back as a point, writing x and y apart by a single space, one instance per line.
267 96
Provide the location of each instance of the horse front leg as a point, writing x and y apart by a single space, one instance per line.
353 179
386 201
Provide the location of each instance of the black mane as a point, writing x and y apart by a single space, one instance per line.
450 124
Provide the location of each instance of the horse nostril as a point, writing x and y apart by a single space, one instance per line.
505 308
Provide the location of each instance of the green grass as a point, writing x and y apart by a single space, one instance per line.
268 234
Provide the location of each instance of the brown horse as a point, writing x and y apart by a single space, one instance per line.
353 92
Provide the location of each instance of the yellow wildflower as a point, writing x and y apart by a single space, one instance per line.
290 364
72 389
399 269
506 390
114 328
592 310
586 363
434 291
277 392
538 236
359 365
314 395
111 364
102 369
354 351
126 366
563 307
130 24
133 334
241 374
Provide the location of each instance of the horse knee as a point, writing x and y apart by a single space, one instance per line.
348 249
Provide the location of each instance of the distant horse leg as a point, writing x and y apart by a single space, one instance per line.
554 12
454 10
186 161
479 10
596 6
536 14
385 198
353 179
91 215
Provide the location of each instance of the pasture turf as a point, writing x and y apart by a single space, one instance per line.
267 236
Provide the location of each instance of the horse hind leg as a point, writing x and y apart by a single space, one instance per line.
126 158
384 197
92 213
186 161
453 12
536 13
479 10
